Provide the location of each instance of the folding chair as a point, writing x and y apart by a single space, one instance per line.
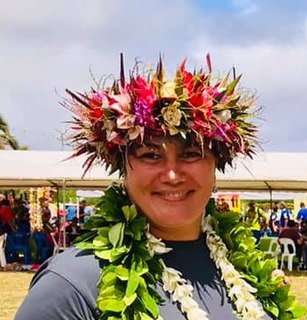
274 249
18 243
2 250
288 252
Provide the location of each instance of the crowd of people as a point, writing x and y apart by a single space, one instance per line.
33 244
280 222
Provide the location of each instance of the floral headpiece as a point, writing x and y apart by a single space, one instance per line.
215 112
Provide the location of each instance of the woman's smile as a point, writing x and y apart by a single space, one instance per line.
173 196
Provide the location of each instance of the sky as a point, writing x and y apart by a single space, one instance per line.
47 46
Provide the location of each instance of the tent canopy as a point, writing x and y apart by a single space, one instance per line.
267 171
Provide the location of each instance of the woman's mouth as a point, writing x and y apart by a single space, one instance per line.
173 195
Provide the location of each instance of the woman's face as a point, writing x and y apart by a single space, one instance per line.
171 185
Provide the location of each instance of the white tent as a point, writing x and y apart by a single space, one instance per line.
267 171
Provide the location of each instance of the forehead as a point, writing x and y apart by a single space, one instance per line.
163 142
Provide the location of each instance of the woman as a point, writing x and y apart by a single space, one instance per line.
166 138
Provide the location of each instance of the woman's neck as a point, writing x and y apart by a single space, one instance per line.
186 233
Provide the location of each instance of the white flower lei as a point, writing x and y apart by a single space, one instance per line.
238 290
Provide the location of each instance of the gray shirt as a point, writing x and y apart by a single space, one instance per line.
65 286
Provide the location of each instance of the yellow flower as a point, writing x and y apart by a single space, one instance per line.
168 90
171 115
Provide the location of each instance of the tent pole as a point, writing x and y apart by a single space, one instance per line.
271 195
64 218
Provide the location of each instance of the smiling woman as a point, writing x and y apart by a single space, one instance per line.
150 252
171 184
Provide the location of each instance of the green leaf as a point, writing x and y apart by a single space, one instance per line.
140 266
286 304
133 283
285 316
111 305
144 316
103 254
130 212
150 304
116 253
298 311
122 273
100 242
103 231
128 300
138 224
116 234
282 293
109 278
272 308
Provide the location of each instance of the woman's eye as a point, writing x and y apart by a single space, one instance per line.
149 156
191 155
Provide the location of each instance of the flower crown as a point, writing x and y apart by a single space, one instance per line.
214 112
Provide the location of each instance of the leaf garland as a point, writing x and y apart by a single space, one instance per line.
256 268
130 272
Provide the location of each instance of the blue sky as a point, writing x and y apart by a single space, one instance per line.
47 46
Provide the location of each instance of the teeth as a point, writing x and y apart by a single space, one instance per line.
173 195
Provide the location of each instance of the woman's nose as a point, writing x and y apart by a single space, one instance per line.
172 176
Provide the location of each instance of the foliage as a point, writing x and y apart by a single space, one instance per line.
6 138
257 270
130 272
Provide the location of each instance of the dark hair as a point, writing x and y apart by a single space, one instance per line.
5 202
291 223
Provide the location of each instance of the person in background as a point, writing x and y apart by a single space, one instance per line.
291 231
255 218
71 213
303 231
88 211
273 220
7 216
302 213
285 215
82 214
223 206
73 229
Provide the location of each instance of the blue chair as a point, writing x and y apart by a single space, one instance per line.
18 243
44 248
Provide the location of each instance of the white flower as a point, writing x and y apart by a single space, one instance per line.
156 246
252 311
182 291
197 314
223 116
187 304
171 279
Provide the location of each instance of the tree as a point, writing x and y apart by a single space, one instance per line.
6 139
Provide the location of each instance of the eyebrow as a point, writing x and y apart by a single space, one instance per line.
148 145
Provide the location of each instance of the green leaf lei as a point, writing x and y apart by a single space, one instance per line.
128 279
256 269
130 274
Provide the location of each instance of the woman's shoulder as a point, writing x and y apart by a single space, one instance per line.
73 265
65 287
78 269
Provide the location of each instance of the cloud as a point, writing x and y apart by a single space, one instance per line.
48 46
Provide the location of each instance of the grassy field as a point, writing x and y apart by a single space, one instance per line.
14 287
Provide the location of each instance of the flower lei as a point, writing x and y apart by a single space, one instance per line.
133 267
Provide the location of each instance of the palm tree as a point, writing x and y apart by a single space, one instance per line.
6 139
